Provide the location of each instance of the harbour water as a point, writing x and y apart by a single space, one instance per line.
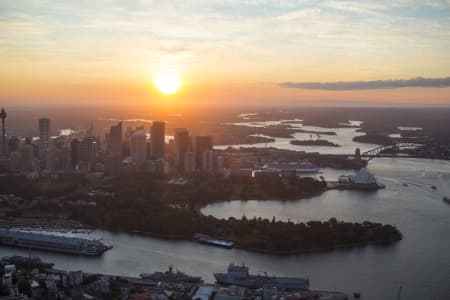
420 263
344 138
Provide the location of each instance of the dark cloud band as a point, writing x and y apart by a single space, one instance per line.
370 85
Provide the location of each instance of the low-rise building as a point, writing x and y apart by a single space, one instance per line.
204 292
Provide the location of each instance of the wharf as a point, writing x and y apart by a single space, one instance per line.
336 185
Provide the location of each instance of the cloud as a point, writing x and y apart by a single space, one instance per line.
370 85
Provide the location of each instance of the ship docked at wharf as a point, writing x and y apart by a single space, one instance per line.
171 276
54 243
239 275
206 239
298 167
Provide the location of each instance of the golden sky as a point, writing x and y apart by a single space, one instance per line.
228 51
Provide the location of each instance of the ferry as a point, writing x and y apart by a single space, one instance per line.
206 239
239 275
54 243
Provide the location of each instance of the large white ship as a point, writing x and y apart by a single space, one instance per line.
47 242
298 167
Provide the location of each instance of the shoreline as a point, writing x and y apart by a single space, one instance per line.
198 210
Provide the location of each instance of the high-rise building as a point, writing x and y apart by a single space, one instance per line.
87 152
208 161
202 144
115 147
220 164
138 146
189 162
50 157
44 136
3 117
158 139
181 146
13 144
74 153
27 157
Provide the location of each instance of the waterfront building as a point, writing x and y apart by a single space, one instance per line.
44 136
202 144
230 293
138 146
158 139
75 278
204 292
181 146
363 177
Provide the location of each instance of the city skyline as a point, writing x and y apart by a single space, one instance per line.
291 52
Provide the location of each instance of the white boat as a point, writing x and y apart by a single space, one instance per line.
299 167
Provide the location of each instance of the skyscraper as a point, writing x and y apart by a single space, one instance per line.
74 153
138 146
115 147
44 136
208 161
158 139
27 157
88 153
189 162
3 117
202 144
13 144
181 146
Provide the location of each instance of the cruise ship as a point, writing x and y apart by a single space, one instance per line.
299 167
54 243
239 275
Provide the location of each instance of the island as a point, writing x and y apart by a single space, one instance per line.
317 142
373 138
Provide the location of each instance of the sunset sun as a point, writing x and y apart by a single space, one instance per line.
168 82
